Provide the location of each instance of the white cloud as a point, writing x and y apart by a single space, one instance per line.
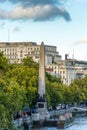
82 40
16 29
2 25
35 13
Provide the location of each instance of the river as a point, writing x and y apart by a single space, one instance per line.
79 124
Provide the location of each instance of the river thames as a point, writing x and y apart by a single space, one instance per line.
79 124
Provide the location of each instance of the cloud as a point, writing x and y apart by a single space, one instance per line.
16 29
82 40
3 0
36 2
36 10
2 25
81 0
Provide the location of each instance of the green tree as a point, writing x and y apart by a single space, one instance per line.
54 90
32 96
29 62
26 75
3 62
11 100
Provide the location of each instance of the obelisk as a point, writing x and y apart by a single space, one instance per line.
42 103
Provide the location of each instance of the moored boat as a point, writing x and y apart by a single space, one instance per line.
65 120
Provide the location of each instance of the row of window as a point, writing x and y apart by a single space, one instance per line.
30 48
15 49
50 48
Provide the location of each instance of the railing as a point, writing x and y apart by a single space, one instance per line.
62 111
23 120
29 119
79 108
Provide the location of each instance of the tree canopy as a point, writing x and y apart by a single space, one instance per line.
19 86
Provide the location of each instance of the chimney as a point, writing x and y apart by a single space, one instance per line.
66 56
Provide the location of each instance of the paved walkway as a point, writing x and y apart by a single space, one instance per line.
19 122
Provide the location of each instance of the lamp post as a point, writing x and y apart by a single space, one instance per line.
75 101
25 123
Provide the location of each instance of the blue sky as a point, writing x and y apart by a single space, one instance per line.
62 23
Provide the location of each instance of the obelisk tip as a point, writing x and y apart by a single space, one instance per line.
42 43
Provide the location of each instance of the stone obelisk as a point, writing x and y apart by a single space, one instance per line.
42 104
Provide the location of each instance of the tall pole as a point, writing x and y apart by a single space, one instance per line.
8 34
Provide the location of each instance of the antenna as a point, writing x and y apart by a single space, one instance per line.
85 57
8 34
73 55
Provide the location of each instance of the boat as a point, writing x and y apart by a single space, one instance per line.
65 120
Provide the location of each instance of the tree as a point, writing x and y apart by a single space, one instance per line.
79 90
3 63
67 95
32 96
29 62
54 90
27 77
11 100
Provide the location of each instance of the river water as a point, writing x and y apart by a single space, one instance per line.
79 124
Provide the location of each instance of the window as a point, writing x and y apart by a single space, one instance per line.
63 72
63 77
21 55
21 51
36 57
60 72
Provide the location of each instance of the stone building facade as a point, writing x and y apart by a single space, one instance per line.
67 69
16 51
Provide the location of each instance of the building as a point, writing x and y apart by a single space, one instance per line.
81 67
52 69
16 51
71 69
67 69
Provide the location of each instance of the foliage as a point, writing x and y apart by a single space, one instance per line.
19 86
3 63
7 103
54 90
30 63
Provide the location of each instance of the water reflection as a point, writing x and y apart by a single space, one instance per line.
80 124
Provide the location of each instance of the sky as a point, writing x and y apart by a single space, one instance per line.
61 23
